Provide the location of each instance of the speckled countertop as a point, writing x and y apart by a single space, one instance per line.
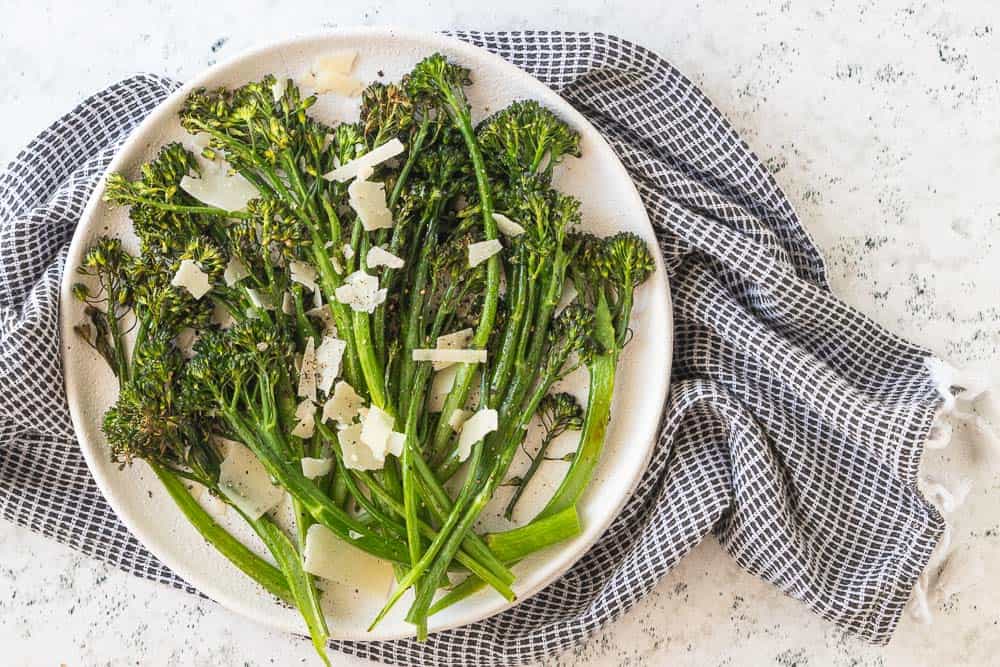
881 120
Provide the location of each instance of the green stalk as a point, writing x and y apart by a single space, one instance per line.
303 589
595 424
317 503
443 542
515 545
459 111
247 561
480 561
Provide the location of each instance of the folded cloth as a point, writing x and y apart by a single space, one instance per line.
794 427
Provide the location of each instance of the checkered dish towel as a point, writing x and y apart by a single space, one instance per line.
794 427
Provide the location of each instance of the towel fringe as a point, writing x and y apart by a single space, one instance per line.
949 570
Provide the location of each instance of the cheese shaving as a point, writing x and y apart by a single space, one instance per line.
458 418
190 276
305 413
235 272
329 356
245 482
360 291
362 167
475 428
303 274
344 405
313 468
440 387
396 443
482 251
216 187
307 371
331 74
379 257
327 556
376 427
367 198
507 226
357 455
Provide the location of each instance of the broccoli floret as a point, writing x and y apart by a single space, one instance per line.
558 413
526 139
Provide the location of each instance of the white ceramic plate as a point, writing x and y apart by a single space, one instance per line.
610 204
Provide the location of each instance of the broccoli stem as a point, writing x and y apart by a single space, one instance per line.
461 116
595 425
262 443
300 582
444 543
481 561
247 561
536 463
515 545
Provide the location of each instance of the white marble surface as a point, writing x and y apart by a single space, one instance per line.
881 122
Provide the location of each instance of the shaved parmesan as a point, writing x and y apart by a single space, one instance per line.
278 90
453 341
302 274
507 226
376 427
331 74
343 406
341 62
235 272
287 304
458 418
367 198
245 482
313 468
482 251
329 355
190 276
357 455
260 300
216 187
569 295
396 443
359 167
360 291
342 84
467 356
348 251
305 413
440 387
323 314
222 316
307 371
327 556
475 428
379 257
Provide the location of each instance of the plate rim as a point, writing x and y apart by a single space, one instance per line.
559 562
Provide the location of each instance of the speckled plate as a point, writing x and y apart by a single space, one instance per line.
610 203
